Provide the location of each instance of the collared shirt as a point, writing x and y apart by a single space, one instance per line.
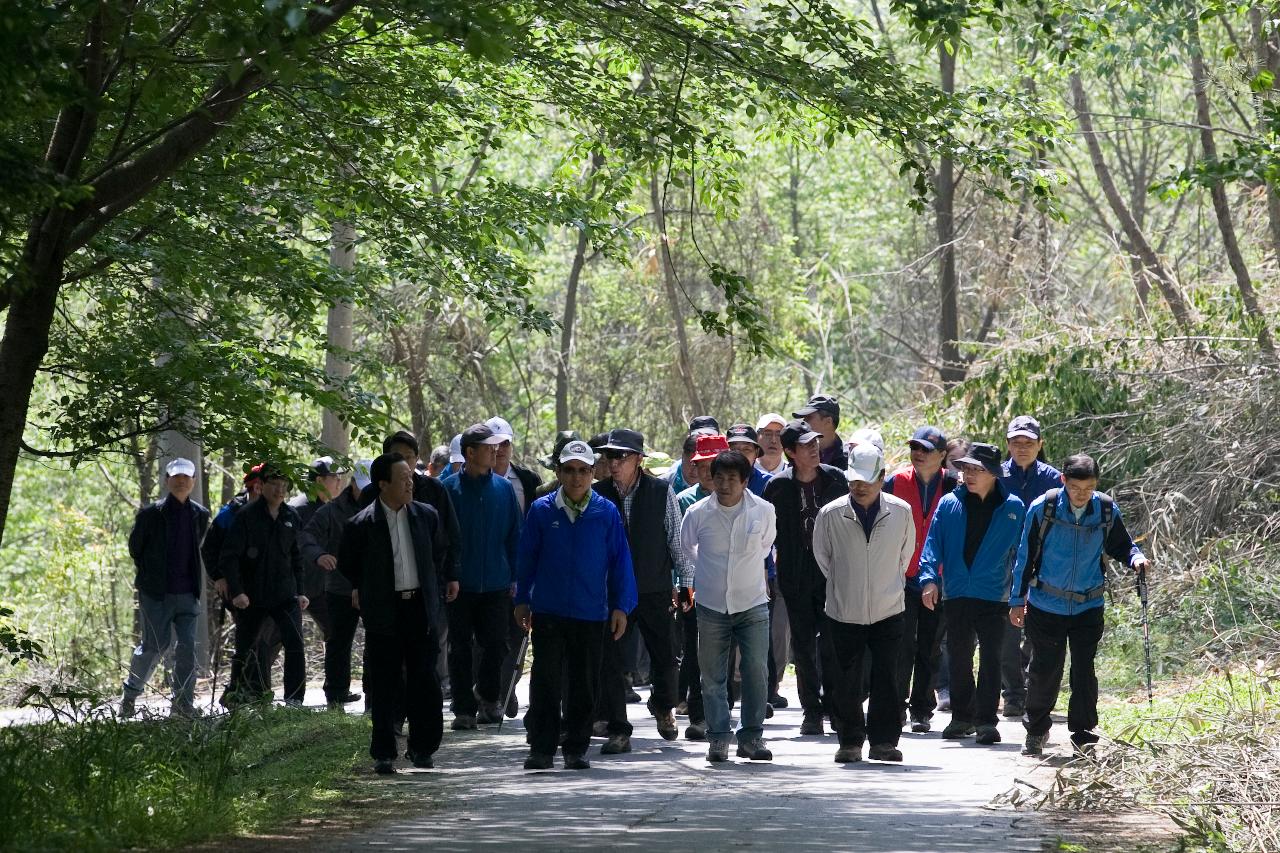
403 559
978 512
514 480
929 489
782 466
727 546
571 509
671 526
866 516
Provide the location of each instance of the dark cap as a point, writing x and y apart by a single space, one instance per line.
796 433
324 466
929 438
562 438
704 422
271 471
478 434
820 403
626 440
743 433
985 455
598 440
1024 425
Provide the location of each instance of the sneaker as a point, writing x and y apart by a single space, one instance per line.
717 752
682 710
384 767
633 698
1084 743
513 706
463 722
696 730
293 703
777 700
183 711
128 707
599 729
667 725
537 761
849 754
920 724
576 762
958 729
884 752
1034 744
812 725
755 750
489 714
616 745
424 762
768 711
351 697
988 735
1013 710
944 700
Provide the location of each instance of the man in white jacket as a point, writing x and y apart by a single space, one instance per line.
863 543
726 536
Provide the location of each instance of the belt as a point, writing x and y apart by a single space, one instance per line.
408 593
1076 597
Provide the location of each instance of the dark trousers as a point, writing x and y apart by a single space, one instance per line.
511 669
919 659
1014 663
270 643
409 653
850 645
690 686
343 619
806 598
481 616
567 655
653 619
288 621
774 680
1050 636
970 619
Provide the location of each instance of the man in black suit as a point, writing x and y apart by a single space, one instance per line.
390 552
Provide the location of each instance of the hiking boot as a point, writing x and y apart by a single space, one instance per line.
777 700
489 714
1034 744
384 767
957 730
537 761
921 724
768 711
944 700
717 752
128 707
633 698
812 725
988 735
682 710
423 762
463 722
755 750
616 745
599 729
513 706
183 711
667 725
884 752
849 754
576 761
696 730
1084 743
1013 709
351 697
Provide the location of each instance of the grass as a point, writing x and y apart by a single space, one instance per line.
103 784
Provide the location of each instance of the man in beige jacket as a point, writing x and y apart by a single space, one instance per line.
863 543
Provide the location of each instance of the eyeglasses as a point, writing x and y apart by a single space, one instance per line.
617 454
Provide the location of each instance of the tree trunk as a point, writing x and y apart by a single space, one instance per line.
334 433
1268 60
683 363
1133 234
570 317
952 366
1218 193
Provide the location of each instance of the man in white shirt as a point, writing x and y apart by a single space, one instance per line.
726 536
769 429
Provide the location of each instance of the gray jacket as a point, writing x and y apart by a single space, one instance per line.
323 534
865 578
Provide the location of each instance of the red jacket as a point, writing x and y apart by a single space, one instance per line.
904 486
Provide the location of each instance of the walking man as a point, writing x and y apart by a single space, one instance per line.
574 589
389 553
165 547
769 429
727 536
974 535
822 414
1058 594
863 544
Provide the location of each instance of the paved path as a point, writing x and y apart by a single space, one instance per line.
664 795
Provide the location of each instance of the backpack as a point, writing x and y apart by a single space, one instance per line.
1031 577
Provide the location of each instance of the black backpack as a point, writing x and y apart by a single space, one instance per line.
1031 576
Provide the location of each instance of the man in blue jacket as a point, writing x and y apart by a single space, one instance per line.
969 550
574 585
489 522
1058 588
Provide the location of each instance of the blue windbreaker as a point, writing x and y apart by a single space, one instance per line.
489 522
943 556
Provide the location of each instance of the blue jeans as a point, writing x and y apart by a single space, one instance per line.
162 619
716 632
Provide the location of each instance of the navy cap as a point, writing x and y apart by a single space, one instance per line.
929 438
743 433
704 422
796 433
478 434
1024 425
986 456
820 403
625 440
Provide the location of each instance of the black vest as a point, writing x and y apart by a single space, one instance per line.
646 531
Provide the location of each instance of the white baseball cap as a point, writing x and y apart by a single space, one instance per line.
180 466
866 435
455 449
361 474
502 428
771 418
578 451
866 463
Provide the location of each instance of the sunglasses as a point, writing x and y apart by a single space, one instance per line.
617 454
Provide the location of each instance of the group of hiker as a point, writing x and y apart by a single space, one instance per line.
761 545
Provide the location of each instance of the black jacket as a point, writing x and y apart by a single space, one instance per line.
364 558
261 557
211 548
429 491
323 535
313 575
646 531
784 493
149 546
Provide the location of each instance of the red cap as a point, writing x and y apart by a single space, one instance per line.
255 473
710 446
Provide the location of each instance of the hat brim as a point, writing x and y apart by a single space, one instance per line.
622 449
1023 433
180 471
858 477
923 445
993 470
702 457
764 422
805 412
590 463
744 440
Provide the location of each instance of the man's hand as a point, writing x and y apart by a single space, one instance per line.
618 624
303 602
355 598
686 597
1018 616
929 595
1143 565
328 562
240 602
451 590
771 588
220 587
524 618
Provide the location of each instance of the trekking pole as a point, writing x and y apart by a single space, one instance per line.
511 688
1146 625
